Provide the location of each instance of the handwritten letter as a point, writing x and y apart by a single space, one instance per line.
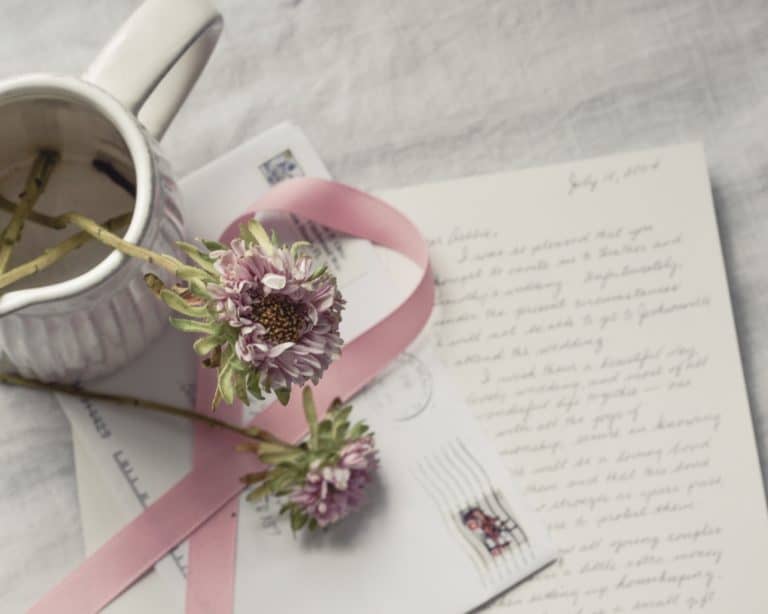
585 310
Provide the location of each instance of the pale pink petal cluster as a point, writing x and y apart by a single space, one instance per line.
331 492
288 316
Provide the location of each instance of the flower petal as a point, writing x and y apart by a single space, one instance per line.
275 351
274 281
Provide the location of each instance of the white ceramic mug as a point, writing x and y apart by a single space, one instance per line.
91 313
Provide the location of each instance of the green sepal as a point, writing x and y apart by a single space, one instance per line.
241 390
175 302
198 288
254 386
298 246
154 283
192 326
318 273
213 360
258 234
225 387
240 365
213 246
283 395
205 345
310 413
187 273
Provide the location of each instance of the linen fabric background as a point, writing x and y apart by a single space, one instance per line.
397 92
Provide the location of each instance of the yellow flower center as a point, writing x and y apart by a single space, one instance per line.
281 317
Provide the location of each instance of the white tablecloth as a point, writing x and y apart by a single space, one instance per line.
395 92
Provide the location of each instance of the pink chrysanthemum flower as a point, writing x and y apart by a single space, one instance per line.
268 319
287 314
331 492
323 479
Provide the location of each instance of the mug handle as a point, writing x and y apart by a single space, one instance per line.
154 59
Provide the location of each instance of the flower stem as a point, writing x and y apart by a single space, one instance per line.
38 218
37 179
141 404
53 254
112 240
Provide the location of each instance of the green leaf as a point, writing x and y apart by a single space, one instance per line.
198 257
341 415
270 447
284 481
254 478
283 395
340 431
192 326
175 302
325 433
205 345
298 520
275 458
259 492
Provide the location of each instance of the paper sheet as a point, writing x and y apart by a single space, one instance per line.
584 310
425 435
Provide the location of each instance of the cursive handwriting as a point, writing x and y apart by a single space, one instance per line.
585 385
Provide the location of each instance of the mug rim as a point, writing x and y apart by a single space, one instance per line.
135 141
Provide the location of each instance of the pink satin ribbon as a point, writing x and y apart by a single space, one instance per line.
203 504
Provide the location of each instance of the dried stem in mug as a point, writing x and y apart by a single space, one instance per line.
36 182
49 221
38 177
169 263
53 254
38 218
